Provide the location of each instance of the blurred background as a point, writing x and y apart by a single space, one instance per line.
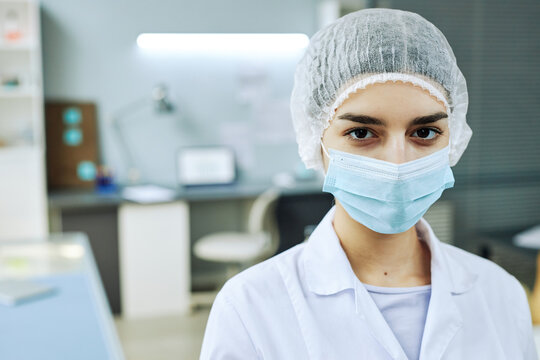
147 153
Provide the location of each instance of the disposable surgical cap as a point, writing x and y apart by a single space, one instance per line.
374 46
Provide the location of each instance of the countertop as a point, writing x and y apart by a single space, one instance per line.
90 198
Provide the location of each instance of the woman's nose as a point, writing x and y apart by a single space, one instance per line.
395 151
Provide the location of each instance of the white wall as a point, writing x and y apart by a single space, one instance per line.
90 54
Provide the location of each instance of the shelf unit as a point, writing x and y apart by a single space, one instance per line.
23 196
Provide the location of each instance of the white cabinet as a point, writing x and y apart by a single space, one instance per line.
154 259
23 204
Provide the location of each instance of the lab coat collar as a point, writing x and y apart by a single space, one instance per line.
328 270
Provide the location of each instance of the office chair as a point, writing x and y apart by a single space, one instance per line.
240 250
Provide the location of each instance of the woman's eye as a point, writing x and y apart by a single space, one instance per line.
425 133
359 134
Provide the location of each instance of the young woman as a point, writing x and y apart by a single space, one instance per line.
380 105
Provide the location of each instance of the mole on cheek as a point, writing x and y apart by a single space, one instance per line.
385 273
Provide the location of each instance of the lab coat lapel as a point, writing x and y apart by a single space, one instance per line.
376 322
443 320
448 279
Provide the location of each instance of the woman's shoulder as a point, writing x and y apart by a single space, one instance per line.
502 292
253 313
265 280
489 274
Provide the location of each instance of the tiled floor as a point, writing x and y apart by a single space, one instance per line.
163 338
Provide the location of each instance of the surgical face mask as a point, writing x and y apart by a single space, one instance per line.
387 198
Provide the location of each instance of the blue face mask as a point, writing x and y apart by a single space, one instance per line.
387 198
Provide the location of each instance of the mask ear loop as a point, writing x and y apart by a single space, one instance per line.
450 121
324 150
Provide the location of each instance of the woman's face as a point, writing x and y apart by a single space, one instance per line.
395 122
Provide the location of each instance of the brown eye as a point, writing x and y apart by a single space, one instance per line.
425 133
360 134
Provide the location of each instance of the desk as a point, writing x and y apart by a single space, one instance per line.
74 322
66 199
118 227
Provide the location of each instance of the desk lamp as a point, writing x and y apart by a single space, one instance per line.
159 100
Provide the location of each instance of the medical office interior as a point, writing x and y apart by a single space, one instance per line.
147 155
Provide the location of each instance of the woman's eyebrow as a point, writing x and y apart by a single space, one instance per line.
428 119
369 120
363 119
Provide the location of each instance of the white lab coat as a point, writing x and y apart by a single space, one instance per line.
307 303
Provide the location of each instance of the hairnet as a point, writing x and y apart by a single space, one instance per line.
372 46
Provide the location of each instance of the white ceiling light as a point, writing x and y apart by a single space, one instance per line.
224 43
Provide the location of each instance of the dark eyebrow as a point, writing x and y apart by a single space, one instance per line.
369 120
428 119
363 119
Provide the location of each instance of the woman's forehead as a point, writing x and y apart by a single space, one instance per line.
392 99
415 82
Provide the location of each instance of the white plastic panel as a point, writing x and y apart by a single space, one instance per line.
23 204
154 259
